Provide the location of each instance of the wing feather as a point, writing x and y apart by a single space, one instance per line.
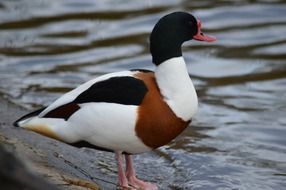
125 90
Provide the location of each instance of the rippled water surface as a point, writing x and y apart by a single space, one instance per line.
237 139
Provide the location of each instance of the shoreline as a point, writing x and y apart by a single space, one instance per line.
51 160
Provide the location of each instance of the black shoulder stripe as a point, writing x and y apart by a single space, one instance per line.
121 90
64 111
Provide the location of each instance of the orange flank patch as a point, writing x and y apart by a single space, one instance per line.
156 123
43 130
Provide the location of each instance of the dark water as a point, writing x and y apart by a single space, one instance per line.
238 138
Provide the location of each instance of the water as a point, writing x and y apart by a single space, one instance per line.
237 139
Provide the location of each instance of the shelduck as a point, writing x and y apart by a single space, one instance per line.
129 112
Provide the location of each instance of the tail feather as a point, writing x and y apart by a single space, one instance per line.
29 115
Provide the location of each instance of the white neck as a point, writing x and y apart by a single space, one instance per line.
177 88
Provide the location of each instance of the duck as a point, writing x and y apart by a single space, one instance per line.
129 112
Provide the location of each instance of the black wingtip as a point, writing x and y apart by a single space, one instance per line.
15 124
34 113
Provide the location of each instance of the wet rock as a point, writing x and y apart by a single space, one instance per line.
48 161
15 176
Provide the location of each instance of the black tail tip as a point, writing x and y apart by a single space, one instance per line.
15 124
29 115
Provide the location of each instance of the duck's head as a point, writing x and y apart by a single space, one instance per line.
171 31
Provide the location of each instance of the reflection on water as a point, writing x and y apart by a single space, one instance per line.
238 137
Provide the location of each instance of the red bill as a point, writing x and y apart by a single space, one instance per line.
201 36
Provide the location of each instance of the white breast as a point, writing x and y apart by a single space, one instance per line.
177 88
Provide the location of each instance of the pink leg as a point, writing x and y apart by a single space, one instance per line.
133 180
122 180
